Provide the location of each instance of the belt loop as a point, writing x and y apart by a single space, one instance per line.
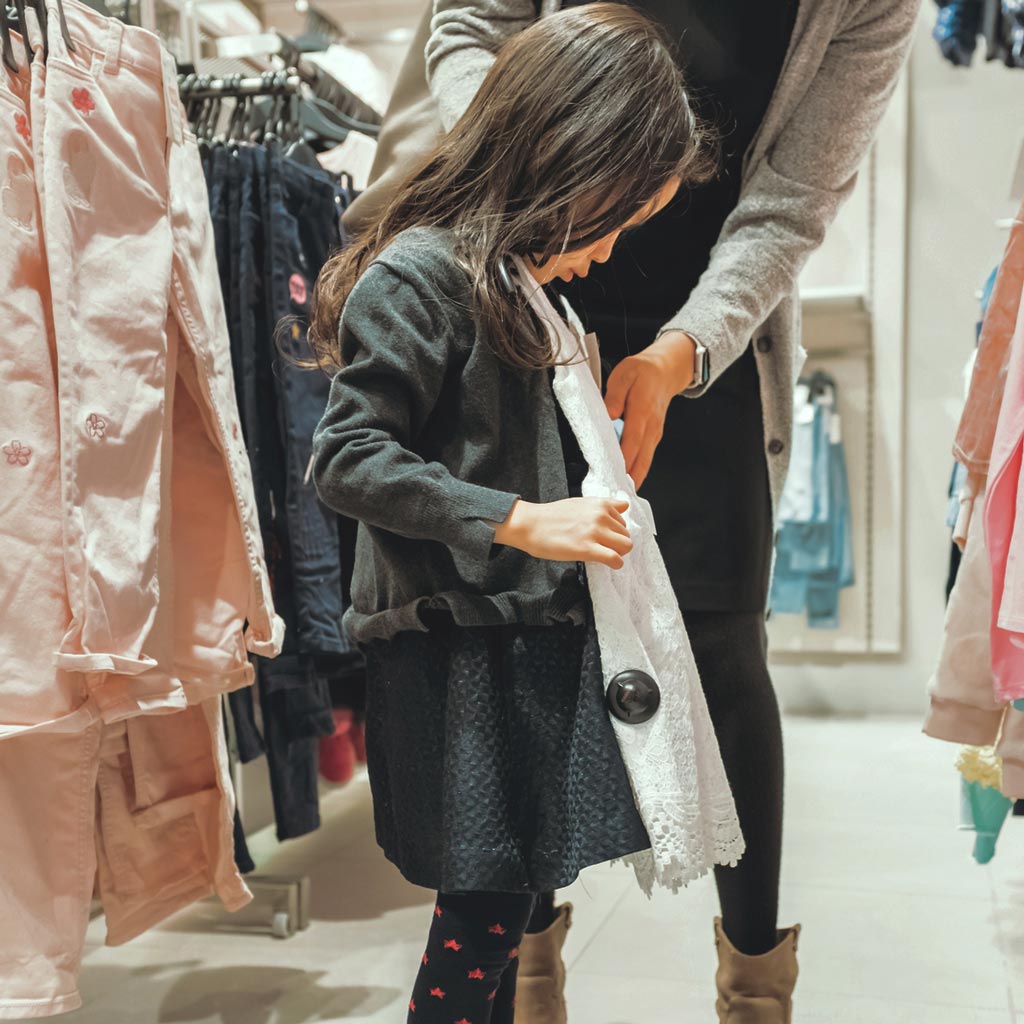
173 110
115 36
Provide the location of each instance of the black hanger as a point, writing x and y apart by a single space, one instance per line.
300 151
42 16
5 39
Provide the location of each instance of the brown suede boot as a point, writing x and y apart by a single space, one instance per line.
756 989
540 990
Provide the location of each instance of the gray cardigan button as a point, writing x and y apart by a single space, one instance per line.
764 345
776 447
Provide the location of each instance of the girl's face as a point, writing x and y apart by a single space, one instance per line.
577 264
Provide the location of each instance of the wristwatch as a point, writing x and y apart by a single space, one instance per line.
701 365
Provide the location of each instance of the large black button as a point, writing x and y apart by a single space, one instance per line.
764 345
633 697
776 447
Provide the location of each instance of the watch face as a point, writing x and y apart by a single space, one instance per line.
702 367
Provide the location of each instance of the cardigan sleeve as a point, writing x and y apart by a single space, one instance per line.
397 342
465 35
796 191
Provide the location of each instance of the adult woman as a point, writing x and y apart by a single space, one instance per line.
702 301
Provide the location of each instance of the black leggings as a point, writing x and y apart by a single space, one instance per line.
730 649
471 964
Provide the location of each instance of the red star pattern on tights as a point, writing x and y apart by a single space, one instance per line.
452 944
412 1005
513 953
437 993
496 929
437 911
493 994
425 960
463 1021
477 975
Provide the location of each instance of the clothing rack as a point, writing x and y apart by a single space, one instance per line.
203 87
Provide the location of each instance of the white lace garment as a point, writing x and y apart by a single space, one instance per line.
673 759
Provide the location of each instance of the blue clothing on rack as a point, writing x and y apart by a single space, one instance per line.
814 545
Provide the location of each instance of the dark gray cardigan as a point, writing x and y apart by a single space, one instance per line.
428 435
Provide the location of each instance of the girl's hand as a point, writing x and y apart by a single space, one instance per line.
572 530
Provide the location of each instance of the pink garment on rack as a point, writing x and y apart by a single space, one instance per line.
963 707
128 531
973 446
33 598
127 518
142 810
1004 528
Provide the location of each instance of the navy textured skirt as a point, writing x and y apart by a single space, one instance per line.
493 762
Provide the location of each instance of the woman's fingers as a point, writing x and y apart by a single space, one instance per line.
618 387
645 457
633 433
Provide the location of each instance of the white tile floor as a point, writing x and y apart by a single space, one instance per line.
901 927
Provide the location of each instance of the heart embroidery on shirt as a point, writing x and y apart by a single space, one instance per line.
18 194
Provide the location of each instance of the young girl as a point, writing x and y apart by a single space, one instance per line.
495 768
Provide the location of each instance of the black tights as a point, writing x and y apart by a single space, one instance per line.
731 653
471 964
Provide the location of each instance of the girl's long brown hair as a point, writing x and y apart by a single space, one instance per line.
581 122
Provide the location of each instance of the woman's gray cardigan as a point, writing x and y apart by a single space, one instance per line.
839 74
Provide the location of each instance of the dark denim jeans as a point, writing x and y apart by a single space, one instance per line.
304 232
258 243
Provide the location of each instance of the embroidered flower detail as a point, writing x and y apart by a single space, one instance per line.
17 453
21 126
96 425
297 288
82 100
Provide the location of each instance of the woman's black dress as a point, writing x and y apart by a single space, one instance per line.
493 762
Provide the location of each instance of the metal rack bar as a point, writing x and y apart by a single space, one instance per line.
263 86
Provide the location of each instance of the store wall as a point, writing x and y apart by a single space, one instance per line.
965 134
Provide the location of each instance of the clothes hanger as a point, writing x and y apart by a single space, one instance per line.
42 16
299 151
5 40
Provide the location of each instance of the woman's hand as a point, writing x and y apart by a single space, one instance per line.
640 390
572 530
